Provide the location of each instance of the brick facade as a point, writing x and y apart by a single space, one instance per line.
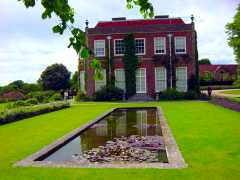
147 29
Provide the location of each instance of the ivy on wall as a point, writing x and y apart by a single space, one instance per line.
130 61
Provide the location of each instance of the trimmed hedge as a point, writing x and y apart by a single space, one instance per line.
109 93
19 113
173 94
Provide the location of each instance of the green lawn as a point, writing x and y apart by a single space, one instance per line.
3 106
208 136
233 92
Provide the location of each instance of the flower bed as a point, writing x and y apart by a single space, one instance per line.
19 113
226 102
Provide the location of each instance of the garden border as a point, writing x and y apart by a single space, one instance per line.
175 159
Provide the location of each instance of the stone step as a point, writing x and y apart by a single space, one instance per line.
140 97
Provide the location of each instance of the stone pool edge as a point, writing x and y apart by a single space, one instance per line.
174 155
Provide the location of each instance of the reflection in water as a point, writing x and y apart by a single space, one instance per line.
123 122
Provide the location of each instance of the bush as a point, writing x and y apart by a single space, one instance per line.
19 103
191 95
109 93
171 94
26 112
12 96
41 96
80 97
55 97
32 101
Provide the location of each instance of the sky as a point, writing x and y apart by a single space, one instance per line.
28 46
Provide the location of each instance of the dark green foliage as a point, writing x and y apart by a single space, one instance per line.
233 31
41 96
26 112
55 77
32 101
204 61
130 61
109 93
55 97
173 94
19 86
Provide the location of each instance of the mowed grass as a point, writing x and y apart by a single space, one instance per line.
208 136
3 106
233 92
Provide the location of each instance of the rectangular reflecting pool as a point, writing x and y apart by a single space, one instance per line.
122 137
127 132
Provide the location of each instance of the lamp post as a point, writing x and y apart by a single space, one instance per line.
109 57
170 57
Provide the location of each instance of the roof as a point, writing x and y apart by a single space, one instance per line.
140 25
230 68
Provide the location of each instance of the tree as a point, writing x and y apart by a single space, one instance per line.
65 12
130 61
233 31
204 61
55 77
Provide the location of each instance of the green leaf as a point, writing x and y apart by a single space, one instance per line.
85 53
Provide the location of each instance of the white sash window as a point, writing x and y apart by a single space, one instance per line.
120 79
101 82
160 79
82 81
181 79
141 80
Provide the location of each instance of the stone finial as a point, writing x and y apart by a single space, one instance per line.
192 18
86 22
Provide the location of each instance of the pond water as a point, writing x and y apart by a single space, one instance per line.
122 135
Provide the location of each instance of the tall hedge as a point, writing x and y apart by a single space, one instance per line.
130 61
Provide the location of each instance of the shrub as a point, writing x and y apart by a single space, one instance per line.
109 93
41 96
26 112
80 96
191 95
12 96
32 101
19 103
171 94
55 97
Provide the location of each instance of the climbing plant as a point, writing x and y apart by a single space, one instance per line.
130 61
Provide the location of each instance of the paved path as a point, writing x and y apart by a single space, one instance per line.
221 93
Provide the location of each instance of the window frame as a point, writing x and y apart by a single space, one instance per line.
185 44
155 48
145 81
144 42
104 79
115 73
95 48
115 47
185 78
165 74
82 83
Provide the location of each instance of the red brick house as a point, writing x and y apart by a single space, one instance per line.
218 72
159 43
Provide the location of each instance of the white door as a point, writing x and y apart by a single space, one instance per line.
141 80
160 79
181 79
